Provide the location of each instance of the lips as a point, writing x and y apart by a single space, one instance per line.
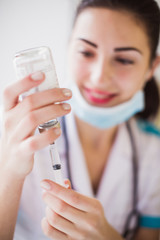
96 96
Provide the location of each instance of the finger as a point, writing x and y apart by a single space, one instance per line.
33 102
61 223
64 210
37 117
12 92
49 231
71 197
67 183
41 99
83 222
37 142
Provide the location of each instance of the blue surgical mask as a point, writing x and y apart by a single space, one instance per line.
104 118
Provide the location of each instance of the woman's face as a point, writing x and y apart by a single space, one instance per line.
109 56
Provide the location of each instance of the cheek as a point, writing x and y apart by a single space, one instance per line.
129 81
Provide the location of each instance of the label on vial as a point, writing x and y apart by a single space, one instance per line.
51 81
27 68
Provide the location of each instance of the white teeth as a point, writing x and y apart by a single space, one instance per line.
100 96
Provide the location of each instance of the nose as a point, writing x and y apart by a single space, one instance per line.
101 72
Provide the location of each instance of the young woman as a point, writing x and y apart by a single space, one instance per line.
108 147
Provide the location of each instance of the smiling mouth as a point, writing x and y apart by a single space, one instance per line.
98 97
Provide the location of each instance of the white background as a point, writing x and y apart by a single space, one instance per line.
31 23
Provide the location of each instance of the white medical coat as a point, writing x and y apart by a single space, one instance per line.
115 189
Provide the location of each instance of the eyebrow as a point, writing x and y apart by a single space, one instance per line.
88 42
121 49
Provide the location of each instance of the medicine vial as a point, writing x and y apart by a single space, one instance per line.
34 60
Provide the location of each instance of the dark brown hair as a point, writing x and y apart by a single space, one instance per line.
146 12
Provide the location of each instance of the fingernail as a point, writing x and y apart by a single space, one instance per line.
67 92
57 131
44 220
45 185
66 106
66 183
67 186
43 191
37 76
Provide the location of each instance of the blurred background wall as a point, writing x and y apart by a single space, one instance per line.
30 23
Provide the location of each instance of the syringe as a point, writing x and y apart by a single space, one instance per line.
56 164
55 159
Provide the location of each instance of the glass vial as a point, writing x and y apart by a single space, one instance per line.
33 60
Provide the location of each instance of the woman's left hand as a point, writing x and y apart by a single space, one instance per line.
70 215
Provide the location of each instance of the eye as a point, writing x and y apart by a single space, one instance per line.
86 54
124 61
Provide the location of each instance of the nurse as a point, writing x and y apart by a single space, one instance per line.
109 137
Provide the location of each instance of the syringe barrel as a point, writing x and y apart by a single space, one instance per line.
58 177
54 155
56 164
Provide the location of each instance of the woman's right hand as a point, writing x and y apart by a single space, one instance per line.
20 119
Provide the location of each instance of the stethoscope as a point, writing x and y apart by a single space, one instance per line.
128 232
